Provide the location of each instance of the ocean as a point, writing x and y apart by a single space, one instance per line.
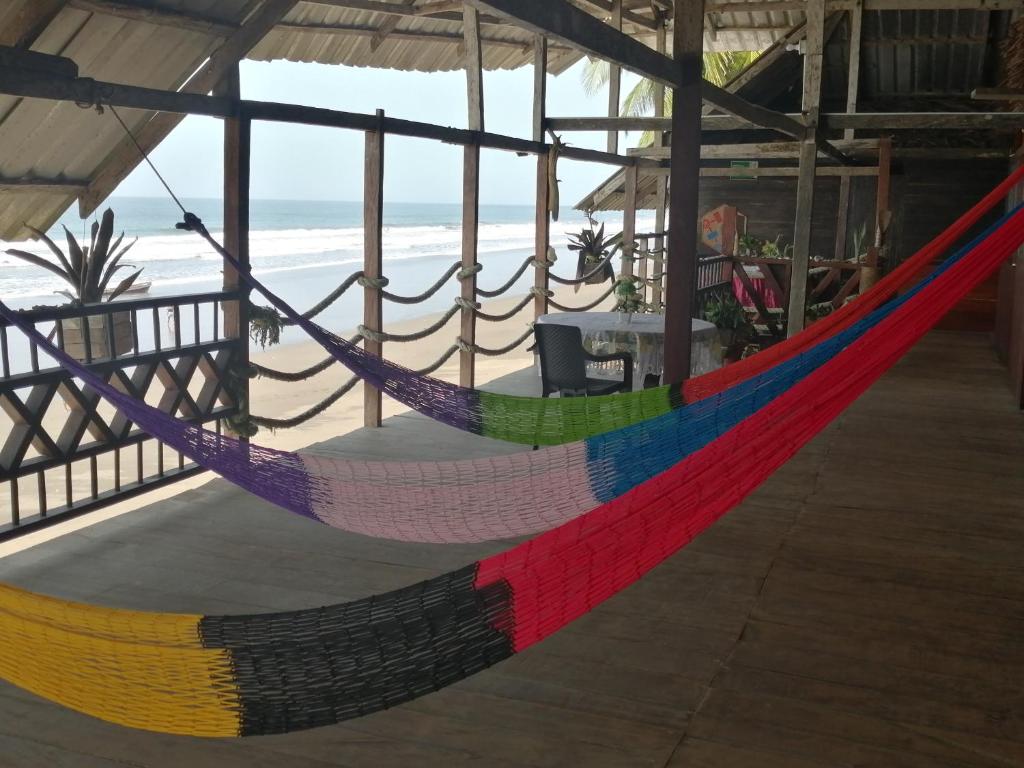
302 249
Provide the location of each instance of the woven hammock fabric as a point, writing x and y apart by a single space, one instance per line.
475 499
272 673
544 421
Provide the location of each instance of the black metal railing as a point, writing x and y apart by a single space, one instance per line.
63 450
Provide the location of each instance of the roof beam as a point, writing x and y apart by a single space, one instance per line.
387 27
59 185
608 6
125 156
443 11
886 121
29 22
769 6
562 21
357 30
152 14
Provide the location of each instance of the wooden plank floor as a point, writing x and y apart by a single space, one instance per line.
864 607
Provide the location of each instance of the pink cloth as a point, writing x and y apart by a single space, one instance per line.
760 286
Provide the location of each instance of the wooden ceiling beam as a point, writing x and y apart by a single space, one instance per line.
771 6
29 22
443 11
37 184
125 156
152 14
885 121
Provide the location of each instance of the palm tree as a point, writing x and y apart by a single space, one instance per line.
719 68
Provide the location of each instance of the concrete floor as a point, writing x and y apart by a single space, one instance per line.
864 607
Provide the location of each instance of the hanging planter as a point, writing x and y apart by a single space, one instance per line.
594 249
88 271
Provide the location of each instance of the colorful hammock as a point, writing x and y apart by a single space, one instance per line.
271 673
475 499
543 421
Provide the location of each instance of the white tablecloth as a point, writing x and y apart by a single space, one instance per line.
643 336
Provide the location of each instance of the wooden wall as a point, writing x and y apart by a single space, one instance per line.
926 197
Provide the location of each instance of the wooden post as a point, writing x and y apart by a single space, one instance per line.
470 228
471 190
808 161
542 237
629 221
237 133
540 85
852 87
373 257
681 243
869 272
661 194
474 68
543 223
614 80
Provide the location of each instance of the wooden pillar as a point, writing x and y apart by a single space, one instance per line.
614 80
373 257
629 221
542 236
681 243
542 220
471 191
661 194
852 88
808 162
237 133
869 272
474 68
540 85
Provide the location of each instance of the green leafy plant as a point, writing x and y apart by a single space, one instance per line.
87 270
734 327
627 295
748 245
593 248
770 249
265 325
859 236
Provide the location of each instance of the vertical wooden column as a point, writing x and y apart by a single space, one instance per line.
629 221
540 85
852 88
614 80
681 243
471 192
542 222
470 231
808 162
237 134
661 194
373 258
869 272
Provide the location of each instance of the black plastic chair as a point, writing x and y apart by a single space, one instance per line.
563 364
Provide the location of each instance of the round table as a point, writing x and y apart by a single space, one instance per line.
643 336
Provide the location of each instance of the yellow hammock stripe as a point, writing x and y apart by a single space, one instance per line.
177 630
166 686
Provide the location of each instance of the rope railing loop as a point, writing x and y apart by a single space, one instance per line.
500 350
536 290
585 276
440 361
330 298
467 304
467 272
585 307
382 336
496 318
309 413
511 281
421 297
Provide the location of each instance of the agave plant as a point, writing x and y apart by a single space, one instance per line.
593 249
87 270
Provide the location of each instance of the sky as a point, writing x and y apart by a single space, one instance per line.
311 163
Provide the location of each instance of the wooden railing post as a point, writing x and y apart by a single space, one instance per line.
470 227
629 221
373 257
542 237
237 133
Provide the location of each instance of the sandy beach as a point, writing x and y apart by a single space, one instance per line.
284 399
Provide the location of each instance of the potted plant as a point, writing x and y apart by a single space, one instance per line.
734 328
770 249
593 249
628 298
88 271
749 246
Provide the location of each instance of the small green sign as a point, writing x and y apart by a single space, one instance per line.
739 175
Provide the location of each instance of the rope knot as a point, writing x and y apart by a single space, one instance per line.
467 303
467 272
538 291
373 282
